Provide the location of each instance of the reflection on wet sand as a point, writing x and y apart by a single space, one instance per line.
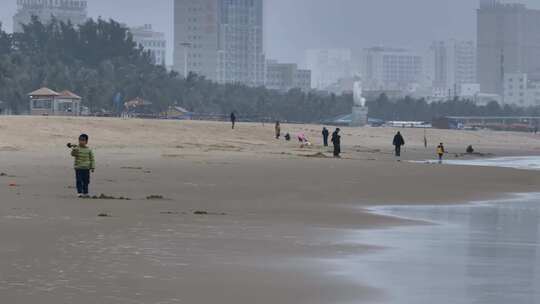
481 253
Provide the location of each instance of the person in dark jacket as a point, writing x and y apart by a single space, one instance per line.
325 135
278 130
336 140
398 143
233 119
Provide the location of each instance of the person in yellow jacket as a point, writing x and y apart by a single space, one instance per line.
440 152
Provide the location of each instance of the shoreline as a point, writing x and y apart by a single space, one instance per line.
451 226
381 210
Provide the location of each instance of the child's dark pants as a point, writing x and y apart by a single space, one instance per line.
83 180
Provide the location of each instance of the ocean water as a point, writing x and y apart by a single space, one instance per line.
527 163
482 253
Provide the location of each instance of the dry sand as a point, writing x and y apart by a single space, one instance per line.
274 214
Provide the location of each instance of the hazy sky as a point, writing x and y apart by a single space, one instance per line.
292 26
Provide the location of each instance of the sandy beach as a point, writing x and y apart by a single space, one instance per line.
271 208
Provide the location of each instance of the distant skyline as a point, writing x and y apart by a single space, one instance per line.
293 26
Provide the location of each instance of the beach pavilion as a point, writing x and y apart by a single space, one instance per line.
48 102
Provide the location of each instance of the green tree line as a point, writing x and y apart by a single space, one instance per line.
411 109
99 60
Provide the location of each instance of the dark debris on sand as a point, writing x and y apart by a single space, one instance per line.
155 197
316 155
200 212
108 197
172 213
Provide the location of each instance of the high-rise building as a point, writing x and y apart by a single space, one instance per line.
328 66
220 39
286 76
152 41
391 69
63 10
508 41
453 63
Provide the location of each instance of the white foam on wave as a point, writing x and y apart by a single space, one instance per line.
516 162
521 162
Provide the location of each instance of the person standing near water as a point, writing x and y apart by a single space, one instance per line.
336 140
233 119
398 142
325 135
440 152
278 130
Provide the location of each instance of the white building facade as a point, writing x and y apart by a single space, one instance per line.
328 66
220 39
152 41
74 11
286 76
453 64
520 90
391 69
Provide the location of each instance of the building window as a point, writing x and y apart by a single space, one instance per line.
42 104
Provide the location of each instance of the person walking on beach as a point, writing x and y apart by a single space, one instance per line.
233 119
84 164
336 140
278 130
325 135
440 152
399 141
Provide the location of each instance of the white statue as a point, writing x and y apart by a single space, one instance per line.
359 110
359 100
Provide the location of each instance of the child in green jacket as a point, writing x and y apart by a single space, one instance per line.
84 164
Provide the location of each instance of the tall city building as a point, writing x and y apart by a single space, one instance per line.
220 39
74 11
508 41
328 66
391 69
453 64
152 41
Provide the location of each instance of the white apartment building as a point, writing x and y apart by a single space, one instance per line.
328 66
286 76
152 41
452 64
220 39
391 69
520 90
74 11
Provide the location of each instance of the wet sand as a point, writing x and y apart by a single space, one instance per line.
273 212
